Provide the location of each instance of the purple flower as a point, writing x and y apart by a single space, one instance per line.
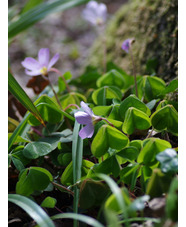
86 118
94 13
42 66
127 44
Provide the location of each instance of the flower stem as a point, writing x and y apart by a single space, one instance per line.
108 122
63 187
60 74
55 94
134 71
71 105
104 54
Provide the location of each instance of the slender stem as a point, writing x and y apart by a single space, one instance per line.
108 122
112 125
104 54
37 131
58 209
47 78
55 94
150 134
71 105
60 74
134 71
63 187
101 32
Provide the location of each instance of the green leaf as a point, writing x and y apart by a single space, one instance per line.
136 143
39 12
88 78
153 87
49 113
173 86
129 174
92 193
110 165
151 65
111 78
18 154
129 153
67 176
80 217
101 95
12 124
34 150
30 4
61 84
158 178
64 159
132 101
151 147
106 137
33 179
122 200
169 160
23 98
150 87
18 131
102 110
17 163
67 75
165 118
146 173
112 218
35 211
19 139
172 201
71 98
112 202
49 202
135 119
152 103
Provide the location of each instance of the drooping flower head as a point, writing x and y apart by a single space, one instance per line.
42 66
127 44
95 13
86 118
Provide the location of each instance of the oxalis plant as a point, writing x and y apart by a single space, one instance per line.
100 149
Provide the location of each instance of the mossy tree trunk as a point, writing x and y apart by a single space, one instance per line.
153 24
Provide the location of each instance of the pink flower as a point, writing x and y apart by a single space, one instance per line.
42 66
86 118
94 13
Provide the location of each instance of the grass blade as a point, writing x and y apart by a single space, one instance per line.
118 193
77 154
39 12
80 217
35 211
23 98
17 132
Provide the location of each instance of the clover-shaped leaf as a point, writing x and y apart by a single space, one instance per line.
106 137
135 119
111 78
33 179
165 118
132 101
101 95
151 147
169 160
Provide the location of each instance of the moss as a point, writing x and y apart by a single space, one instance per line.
153 24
